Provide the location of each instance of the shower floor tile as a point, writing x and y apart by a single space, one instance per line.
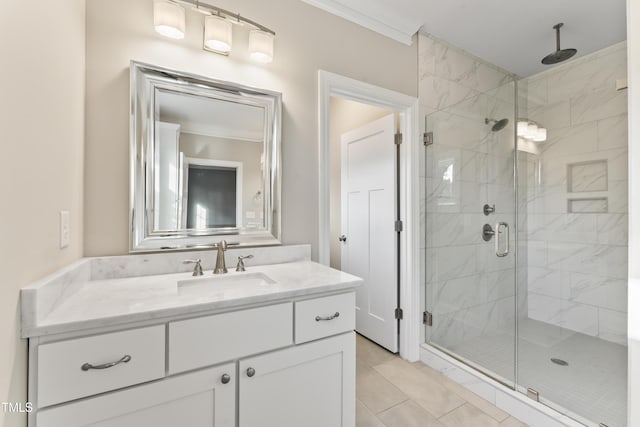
593 386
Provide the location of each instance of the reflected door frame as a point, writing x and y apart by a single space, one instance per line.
330 84
185 162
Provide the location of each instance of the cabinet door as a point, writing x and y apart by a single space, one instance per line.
198 399
311 385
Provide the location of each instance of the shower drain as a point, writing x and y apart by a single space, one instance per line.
559 362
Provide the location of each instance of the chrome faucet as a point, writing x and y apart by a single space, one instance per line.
221 267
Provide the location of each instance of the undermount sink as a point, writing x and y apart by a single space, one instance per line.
221 282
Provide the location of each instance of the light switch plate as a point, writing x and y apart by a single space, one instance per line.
64 229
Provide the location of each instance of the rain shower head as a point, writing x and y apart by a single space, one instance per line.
497 124
560 54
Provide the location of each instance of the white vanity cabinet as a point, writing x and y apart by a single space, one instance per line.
310 385
198 399
287 364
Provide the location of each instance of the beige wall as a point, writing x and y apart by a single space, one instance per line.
121 30
344 115
42 122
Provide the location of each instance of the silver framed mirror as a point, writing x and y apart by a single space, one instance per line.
205 161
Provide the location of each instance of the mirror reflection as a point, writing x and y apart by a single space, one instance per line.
209 163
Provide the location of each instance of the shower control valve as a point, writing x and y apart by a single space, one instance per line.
488 210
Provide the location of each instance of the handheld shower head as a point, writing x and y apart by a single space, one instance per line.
498 125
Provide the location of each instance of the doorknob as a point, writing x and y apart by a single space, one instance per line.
342 238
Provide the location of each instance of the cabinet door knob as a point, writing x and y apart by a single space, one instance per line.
251 372
225 379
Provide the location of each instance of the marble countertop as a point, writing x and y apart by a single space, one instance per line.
90 303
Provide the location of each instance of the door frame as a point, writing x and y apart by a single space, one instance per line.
331 84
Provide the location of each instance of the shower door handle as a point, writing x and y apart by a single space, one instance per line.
499 227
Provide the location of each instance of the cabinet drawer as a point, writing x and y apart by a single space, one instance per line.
205 341
316 318
197 399
61 376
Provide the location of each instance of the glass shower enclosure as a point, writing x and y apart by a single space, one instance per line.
525 256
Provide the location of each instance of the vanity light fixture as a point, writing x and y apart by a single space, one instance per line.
261 46
218 34
530 130
169 20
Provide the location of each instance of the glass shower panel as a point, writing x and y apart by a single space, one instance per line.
573 221
470 276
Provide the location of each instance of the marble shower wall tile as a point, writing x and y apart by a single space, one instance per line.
599 291
613 326
439 93
572 140
577 262
552 116
460 67
613 229
576 317
598 105
588 74
613 132
471 290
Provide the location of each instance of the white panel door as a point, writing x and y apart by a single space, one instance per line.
368 215
167 180
309 385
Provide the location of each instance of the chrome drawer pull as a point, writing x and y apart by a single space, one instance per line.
318 318
88 366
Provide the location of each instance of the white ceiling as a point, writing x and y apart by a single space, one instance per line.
513 34
212 117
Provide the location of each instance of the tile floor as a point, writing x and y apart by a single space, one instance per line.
592 387
394 393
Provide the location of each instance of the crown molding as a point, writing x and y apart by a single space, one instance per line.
402 35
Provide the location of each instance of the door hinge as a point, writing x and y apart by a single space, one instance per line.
398 313
427 318
398 226
428 138
397 138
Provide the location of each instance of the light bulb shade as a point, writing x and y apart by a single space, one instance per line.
261 46
522 128
169 19
532 131
217 34
541 135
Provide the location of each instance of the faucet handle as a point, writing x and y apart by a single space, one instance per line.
240 265
197 268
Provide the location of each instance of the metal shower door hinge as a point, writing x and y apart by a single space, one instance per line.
398 226
427 318
397 138
533 394
427 138
398 313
